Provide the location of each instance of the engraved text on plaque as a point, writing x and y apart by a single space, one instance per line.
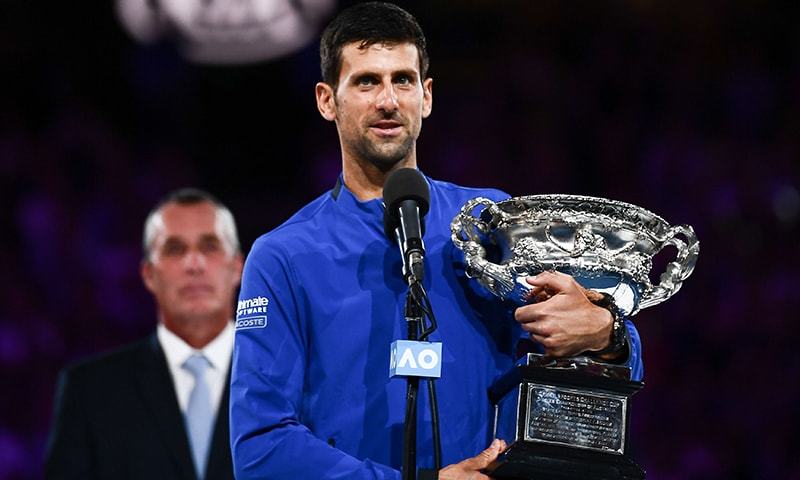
576 418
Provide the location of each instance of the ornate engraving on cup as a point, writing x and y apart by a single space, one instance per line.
587 237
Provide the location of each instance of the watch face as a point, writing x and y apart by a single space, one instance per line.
226 31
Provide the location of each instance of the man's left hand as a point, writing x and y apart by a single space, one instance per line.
563 320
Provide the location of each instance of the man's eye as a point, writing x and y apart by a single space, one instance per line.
173 249
367 81
210 247
403 80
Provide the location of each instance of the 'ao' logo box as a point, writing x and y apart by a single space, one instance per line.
416 359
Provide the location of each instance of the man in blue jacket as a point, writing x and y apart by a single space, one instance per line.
322 295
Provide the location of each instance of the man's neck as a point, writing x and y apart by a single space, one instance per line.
366 180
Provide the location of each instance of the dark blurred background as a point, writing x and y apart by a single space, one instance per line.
689 109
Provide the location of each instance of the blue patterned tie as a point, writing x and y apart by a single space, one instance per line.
199 417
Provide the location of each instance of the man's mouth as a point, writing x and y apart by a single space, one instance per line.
386 128
196 290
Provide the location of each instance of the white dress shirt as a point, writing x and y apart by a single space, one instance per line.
218 352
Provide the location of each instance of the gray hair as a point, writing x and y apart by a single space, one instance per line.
224 222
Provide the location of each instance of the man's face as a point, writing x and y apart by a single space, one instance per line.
379 103
191 272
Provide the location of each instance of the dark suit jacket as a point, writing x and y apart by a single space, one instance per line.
117 417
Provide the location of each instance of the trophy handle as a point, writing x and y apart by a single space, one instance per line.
466 226
465 230
678 270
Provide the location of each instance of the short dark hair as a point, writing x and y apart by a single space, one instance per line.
190 196
368 23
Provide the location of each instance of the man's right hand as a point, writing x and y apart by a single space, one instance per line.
470 469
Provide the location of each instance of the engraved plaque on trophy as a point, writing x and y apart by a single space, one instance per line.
568 418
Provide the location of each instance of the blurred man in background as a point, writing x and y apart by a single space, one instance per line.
159 408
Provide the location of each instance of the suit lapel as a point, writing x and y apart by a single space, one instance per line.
158 393
219 460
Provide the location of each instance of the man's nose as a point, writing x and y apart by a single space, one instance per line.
387 99
194 261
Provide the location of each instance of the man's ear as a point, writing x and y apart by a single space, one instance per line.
238 264
427 97
146 271
326 103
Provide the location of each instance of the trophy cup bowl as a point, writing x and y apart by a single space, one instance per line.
568 418
605 244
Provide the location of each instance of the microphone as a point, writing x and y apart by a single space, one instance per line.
407 199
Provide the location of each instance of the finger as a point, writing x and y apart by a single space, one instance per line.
553 281
537 327
543 294
528 313
536 294
483 459
540 339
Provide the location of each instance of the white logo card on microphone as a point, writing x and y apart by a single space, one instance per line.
416 359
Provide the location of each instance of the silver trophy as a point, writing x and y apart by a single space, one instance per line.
606 244
569 416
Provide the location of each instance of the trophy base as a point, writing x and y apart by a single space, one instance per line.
521 461
564 419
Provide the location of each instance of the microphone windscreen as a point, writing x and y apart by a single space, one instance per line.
401 185
406 184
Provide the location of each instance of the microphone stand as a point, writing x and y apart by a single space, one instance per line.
416 307
413 314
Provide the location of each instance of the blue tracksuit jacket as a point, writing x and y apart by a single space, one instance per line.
321 301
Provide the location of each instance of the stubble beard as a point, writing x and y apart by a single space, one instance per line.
383 156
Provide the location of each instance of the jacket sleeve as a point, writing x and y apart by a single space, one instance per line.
68 451
268 437
634 352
